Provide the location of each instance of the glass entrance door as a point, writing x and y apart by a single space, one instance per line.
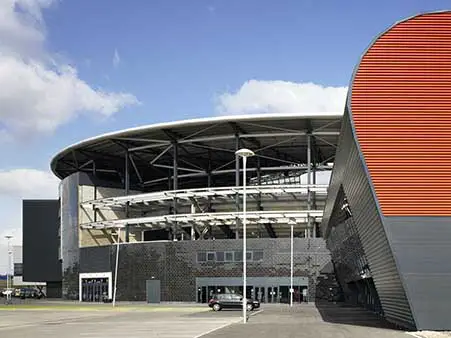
284 294
273 294
259 294
202 294
211 290
94 289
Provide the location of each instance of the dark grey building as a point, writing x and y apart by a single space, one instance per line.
41 244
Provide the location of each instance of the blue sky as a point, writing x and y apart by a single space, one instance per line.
177 56
170 60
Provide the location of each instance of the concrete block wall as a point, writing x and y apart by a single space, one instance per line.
175 264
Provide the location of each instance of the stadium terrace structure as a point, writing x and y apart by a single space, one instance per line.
171 194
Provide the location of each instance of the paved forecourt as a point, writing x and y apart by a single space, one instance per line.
103 322
272 321
308 321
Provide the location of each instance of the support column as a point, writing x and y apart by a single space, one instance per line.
193 232
314 207
175 183
259 182
237 184
209 179
309 181
259 198
175 159
127 192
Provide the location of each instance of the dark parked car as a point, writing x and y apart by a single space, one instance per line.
231 301
29 293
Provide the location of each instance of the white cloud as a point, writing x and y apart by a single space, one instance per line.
21 25
15 185
256 96
116 59
39 93
28 183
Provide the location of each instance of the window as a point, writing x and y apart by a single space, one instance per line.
249 255
18 268
201 256
238 256
220 256
229 256
211 256
236 297
258 256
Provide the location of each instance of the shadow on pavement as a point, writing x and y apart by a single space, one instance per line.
341 313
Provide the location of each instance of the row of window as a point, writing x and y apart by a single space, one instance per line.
229 256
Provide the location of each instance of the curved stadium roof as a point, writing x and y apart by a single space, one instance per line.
204 146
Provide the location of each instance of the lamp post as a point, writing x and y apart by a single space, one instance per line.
8 273
244 153
117 265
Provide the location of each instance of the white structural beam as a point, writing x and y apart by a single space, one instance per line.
217 192
215 218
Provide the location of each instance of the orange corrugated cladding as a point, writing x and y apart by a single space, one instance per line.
401 107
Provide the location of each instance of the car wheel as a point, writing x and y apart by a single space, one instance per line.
216 307
250 307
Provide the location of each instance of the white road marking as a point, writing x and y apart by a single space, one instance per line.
256 312
217 328
414 334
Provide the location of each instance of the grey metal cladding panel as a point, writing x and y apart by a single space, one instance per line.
422 246
349 171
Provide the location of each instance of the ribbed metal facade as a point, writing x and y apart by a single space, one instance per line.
400 102
392 173
350 176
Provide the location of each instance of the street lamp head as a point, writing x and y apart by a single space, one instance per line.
244 152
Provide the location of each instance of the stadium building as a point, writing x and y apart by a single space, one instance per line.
165 201
171 194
